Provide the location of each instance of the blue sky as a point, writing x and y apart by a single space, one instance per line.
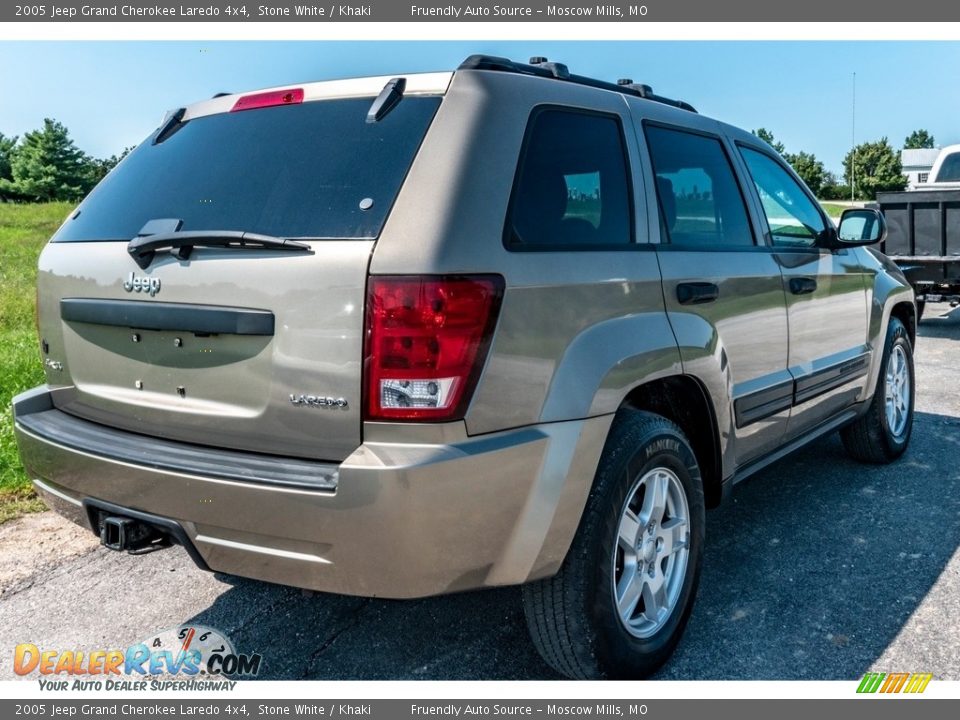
112 94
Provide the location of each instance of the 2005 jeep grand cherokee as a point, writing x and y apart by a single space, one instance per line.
397 337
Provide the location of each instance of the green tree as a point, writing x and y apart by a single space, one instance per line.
877 167
101 166
7 146
768 138
47 166
918 139
810 170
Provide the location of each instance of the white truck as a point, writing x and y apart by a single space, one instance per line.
945 174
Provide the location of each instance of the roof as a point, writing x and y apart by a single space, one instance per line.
919 157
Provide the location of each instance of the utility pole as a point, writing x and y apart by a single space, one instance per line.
853 140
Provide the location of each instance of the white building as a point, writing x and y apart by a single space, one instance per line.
917 165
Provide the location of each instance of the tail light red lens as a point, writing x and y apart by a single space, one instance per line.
426 342
293 96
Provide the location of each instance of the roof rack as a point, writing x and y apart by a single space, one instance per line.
541 67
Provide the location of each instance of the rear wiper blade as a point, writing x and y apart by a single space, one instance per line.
143 249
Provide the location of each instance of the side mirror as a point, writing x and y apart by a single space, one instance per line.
861 226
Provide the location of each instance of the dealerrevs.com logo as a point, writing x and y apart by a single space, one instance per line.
890 683
190 657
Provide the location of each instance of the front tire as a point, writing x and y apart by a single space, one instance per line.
883 433
623 596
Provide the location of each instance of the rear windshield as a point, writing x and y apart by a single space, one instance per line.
315 170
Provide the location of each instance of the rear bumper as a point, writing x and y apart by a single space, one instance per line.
410 517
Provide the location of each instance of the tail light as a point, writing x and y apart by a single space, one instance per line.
293 96
426 341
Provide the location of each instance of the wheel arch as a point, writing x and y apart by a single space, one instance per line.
898 305
684 400
906 313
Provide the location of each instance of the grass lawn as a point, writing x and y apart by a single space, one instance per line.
23 231
833 210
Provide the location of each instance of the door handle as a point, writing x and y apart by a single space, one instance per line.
802 285
696 293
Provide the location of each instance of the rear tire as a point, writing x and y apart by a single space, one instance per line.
883 433
623 596
921 304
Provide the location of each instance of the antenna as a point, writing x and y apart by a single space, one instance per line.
853 140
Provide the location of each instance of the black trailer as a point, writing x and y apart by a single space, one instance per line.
923 238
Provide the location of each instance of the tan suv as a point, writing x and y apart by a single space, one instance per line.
405 336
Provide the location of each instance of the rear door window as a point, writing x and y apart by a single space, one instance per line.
572 188
314 170
700 200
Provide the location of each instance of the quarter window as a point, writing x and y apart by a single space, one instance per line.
572 188
792 216
700 201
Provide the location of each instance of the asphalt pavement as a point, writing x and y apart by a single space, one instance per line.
818 568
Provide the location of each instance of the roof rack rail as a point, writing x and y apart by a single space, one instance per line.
541 67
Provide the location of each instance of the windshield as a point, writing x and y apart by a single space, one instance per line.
949 169
314 170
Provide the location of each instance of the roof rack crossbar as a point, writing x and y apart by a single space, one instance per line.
539 67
